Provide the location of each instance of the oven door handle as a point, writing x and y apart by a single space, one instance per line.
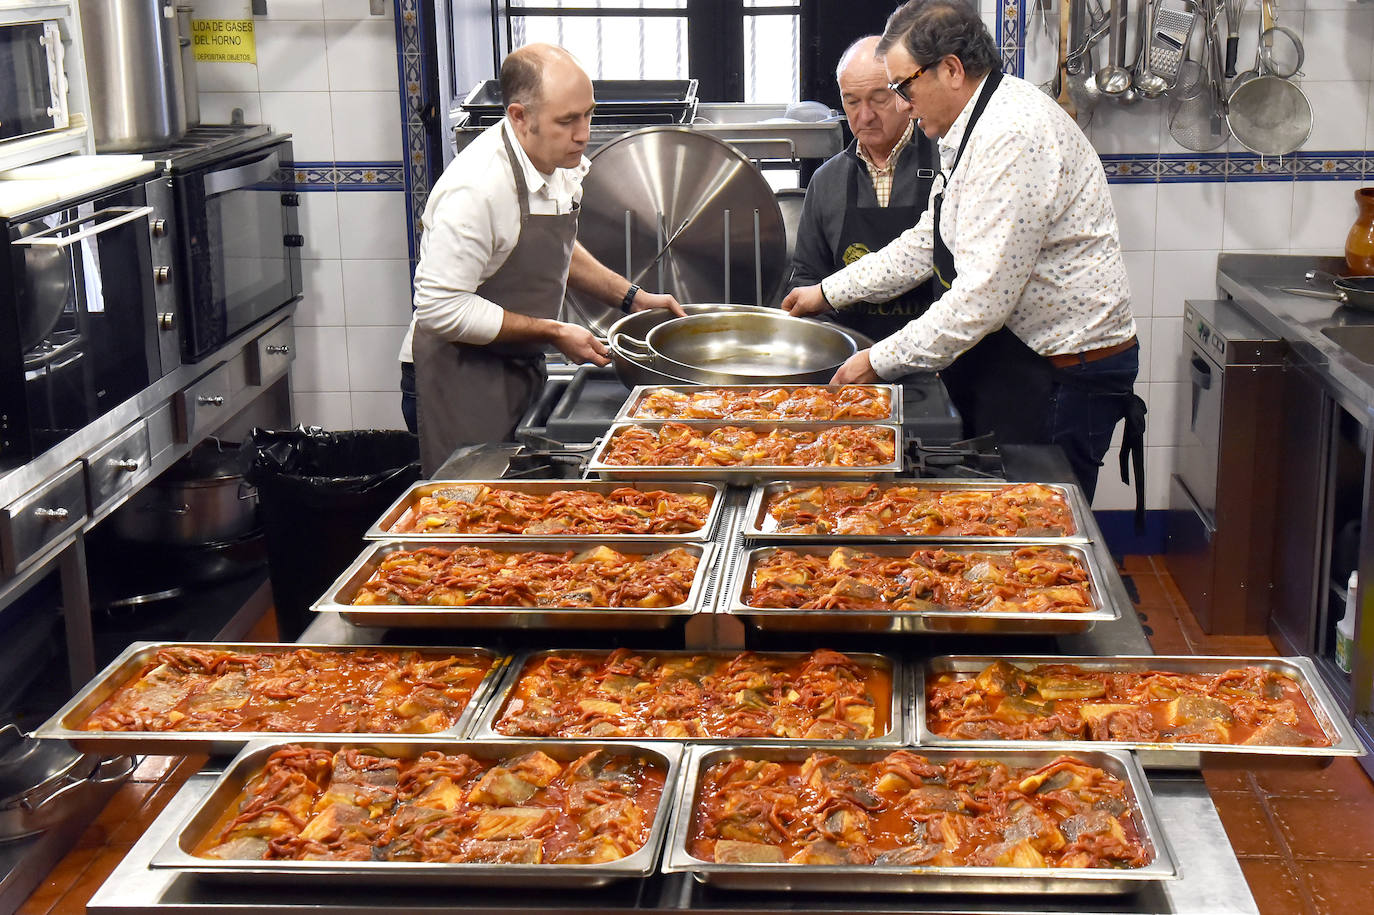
232 179
49 238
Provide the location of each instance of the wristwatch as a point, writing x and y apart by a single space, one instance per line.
629 299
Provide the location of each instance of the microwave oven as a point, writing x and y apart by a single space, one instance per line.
43 93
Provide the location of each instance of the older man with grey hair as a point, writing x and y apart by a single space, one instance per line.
868 194
1022 235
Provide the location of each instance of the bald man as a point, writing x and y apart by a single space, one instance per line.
498 248
868 194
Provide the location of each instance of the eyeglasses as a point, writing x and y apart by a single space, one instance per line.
899 87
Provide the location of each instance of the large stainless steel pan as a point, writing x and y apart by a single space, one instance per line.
1354 291
761 347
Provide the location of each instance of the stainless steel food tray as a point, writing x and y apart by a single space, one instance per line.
758 473
917 879
1161 755
899 716
176 853
381 530
337 597
733 600
758 526
637 394
65 724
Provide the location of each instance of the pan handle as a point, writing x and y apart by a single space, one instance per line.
1314 293
1314 275
98 776
632 346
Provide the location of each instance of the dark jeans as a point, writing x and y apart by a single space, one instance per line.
1086 403
408 395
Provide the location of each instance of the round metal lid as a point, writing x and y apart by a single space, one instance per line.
654 207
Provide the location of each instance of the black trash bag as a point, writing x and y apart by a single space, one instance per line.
318 492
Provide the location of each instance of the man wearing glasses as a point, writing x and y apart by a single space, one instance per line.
870 193
1020 234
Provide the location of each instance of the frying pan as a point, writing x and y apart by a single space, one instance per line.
1355 291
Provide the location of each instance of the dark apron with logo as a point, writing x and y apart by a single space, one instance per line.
468 394
867 229
1000 385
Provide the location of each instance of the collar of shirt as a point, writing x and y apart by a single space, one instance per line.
561 185
949 143
892 156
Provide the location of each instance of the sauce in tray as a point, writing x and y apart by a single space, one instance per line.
1246 706
821 696
810 403
907 810
355 804
893 509
302 690
480 509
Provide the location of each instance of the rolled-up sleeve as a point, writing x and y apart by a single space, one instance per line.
454 251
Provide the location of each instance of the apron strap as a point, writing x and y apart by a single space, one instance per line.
522 190
943 260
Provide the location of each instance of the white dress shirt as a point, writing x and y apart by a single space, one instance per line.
471 224
1031 225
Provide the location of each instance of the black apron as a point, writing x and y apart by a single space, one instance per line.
867 229
1000 385
470 395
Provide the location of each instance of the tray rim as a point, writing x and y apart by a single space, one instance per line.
754 509
1104 610
378 529
329 602
172 856
1152 754
895 414
899 731
104 684
753 473
676 859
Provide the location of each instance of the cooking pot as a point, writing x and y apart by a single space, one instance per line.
203 498
760 348
1355 291
42 782
634 369
49 273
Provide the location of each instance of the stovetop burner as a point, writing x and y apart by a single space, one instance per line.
976 458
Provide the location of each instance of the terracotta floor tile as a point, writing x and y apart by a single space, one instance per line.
154 768
1314 827
1277 890
1137 563
1244 645
1246 823
1342 779
1338 887
189 766
264 630
75 899
60 879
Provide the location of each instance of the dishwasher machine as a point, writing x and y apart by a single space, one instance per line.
1223 492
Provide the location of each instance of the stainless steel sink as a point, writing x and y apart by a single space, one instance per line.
1355 339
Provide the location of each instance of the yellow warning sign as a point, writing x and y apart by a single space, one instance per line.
224 40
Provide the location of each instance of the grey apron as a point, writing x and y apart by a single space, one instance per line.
469 395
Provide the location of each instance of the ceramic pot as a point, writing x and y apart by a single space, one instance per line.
1359 244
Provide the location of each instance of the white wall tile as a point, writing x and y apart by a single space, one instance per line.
362 56
1259 215
1144 332
218 107
217 76
1117 128
1323 212
378 410
1162 398
1338 43
322 299
356 9
308 10
1140 272
1135 206
377 292
1159 465
321 363
1183 275
222 9
372 225
1166 350
291 57
331 411
1338 114
306 116
1112 494
1189 217
372 362
319 223
367 126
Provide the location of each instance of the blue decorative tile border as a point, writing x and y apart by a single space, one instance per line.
350 176
413 72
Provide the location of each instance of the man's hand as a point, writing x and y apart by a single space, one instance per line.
856 370
580 345
805 301
645 300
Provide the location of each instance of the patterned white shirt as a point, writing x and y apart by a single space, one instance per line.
1031 225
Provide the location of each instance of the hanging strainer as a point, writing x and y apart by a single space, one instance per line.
1270 116
1197 111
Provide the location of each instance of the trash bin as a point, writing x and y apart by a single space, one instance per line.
318 492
